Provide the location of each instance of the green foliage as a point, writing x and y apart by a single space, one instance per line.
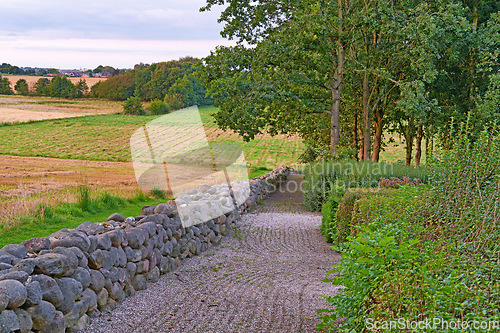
157 193
466 181
322 177
48 219
158 107
156 81
84 202
329 213
5 88
174 102
133 106
61 87
425 251
42 87
22 87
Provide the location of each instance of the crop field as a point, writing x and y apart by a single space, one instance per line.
24 108
31 80
43 162
107 138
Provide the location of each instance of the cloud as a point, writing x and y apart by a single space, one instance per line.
89 53
68 34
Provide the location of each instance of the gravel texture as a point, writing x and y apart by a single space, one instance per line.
264 277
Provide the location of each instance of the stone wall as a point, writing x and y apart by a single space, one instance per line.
56 283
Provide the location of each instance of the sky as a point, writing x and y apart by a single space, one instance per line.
74 34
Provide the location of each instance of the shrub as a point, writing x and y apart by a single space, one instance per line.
323 177
133 106
395 182
174 101
329 212
158 107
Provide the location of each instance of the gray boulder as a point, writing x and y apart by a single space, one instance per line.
18 251
116 217
9 322
35 245
90 228
53 264
42 315
25 322
16 292
34 293
50 289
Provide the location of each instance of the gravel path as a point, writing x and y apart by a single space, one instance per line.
264 277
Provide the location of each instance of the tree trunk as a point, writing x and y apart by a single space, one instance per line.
377 141
418 144
355 135
409 141
337 89
366 118
361 145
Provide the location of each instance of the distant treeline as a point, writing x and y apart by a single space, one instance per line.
172 80
6 68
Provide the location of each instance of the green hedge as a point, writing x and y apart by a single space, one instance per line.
323 178
397 264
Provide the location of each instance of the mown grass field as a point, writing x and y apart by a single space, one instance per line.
107 138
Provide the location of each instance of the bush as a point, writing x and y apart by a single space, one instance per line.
174 101
133 106
323 177
158 107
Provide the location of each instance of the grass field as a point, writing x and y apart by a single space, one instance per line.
107 137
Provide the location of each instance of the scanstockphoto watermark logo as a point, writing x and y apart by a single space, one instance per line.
433 324
173 154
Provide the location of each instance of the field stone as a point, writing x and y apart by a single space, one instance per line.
18 251
97 280
153 275
93 244
25 322
4 266
71 290
54 264
121 257
102 298
116 237
34 293
139 282
71 257
129 290
9 322
15 275
96 259
110 258
83 243
116 217
104 242
148 210
90 297
42 315
117 293
25 265
16 292
57 324
82 275
4 300
6 258
136 237
110 306
131 269
133 255
90 228
80 324
50 289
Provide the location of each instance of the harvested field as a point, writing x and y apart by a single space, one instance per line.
27 108
31 80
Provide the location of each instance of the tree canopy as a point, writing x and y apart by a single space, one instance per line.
342 73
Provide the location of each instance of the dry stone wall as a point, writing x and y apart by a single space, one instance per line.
57 283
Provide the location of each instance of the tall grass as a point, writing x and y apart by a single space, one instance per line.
326 177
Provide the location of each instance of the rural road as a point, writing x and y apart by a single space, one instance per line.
264 277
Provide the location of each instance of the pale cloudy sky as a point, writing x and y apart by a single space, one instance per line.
84 34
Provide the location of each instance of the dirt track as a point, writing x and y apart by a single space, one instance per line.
264 277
